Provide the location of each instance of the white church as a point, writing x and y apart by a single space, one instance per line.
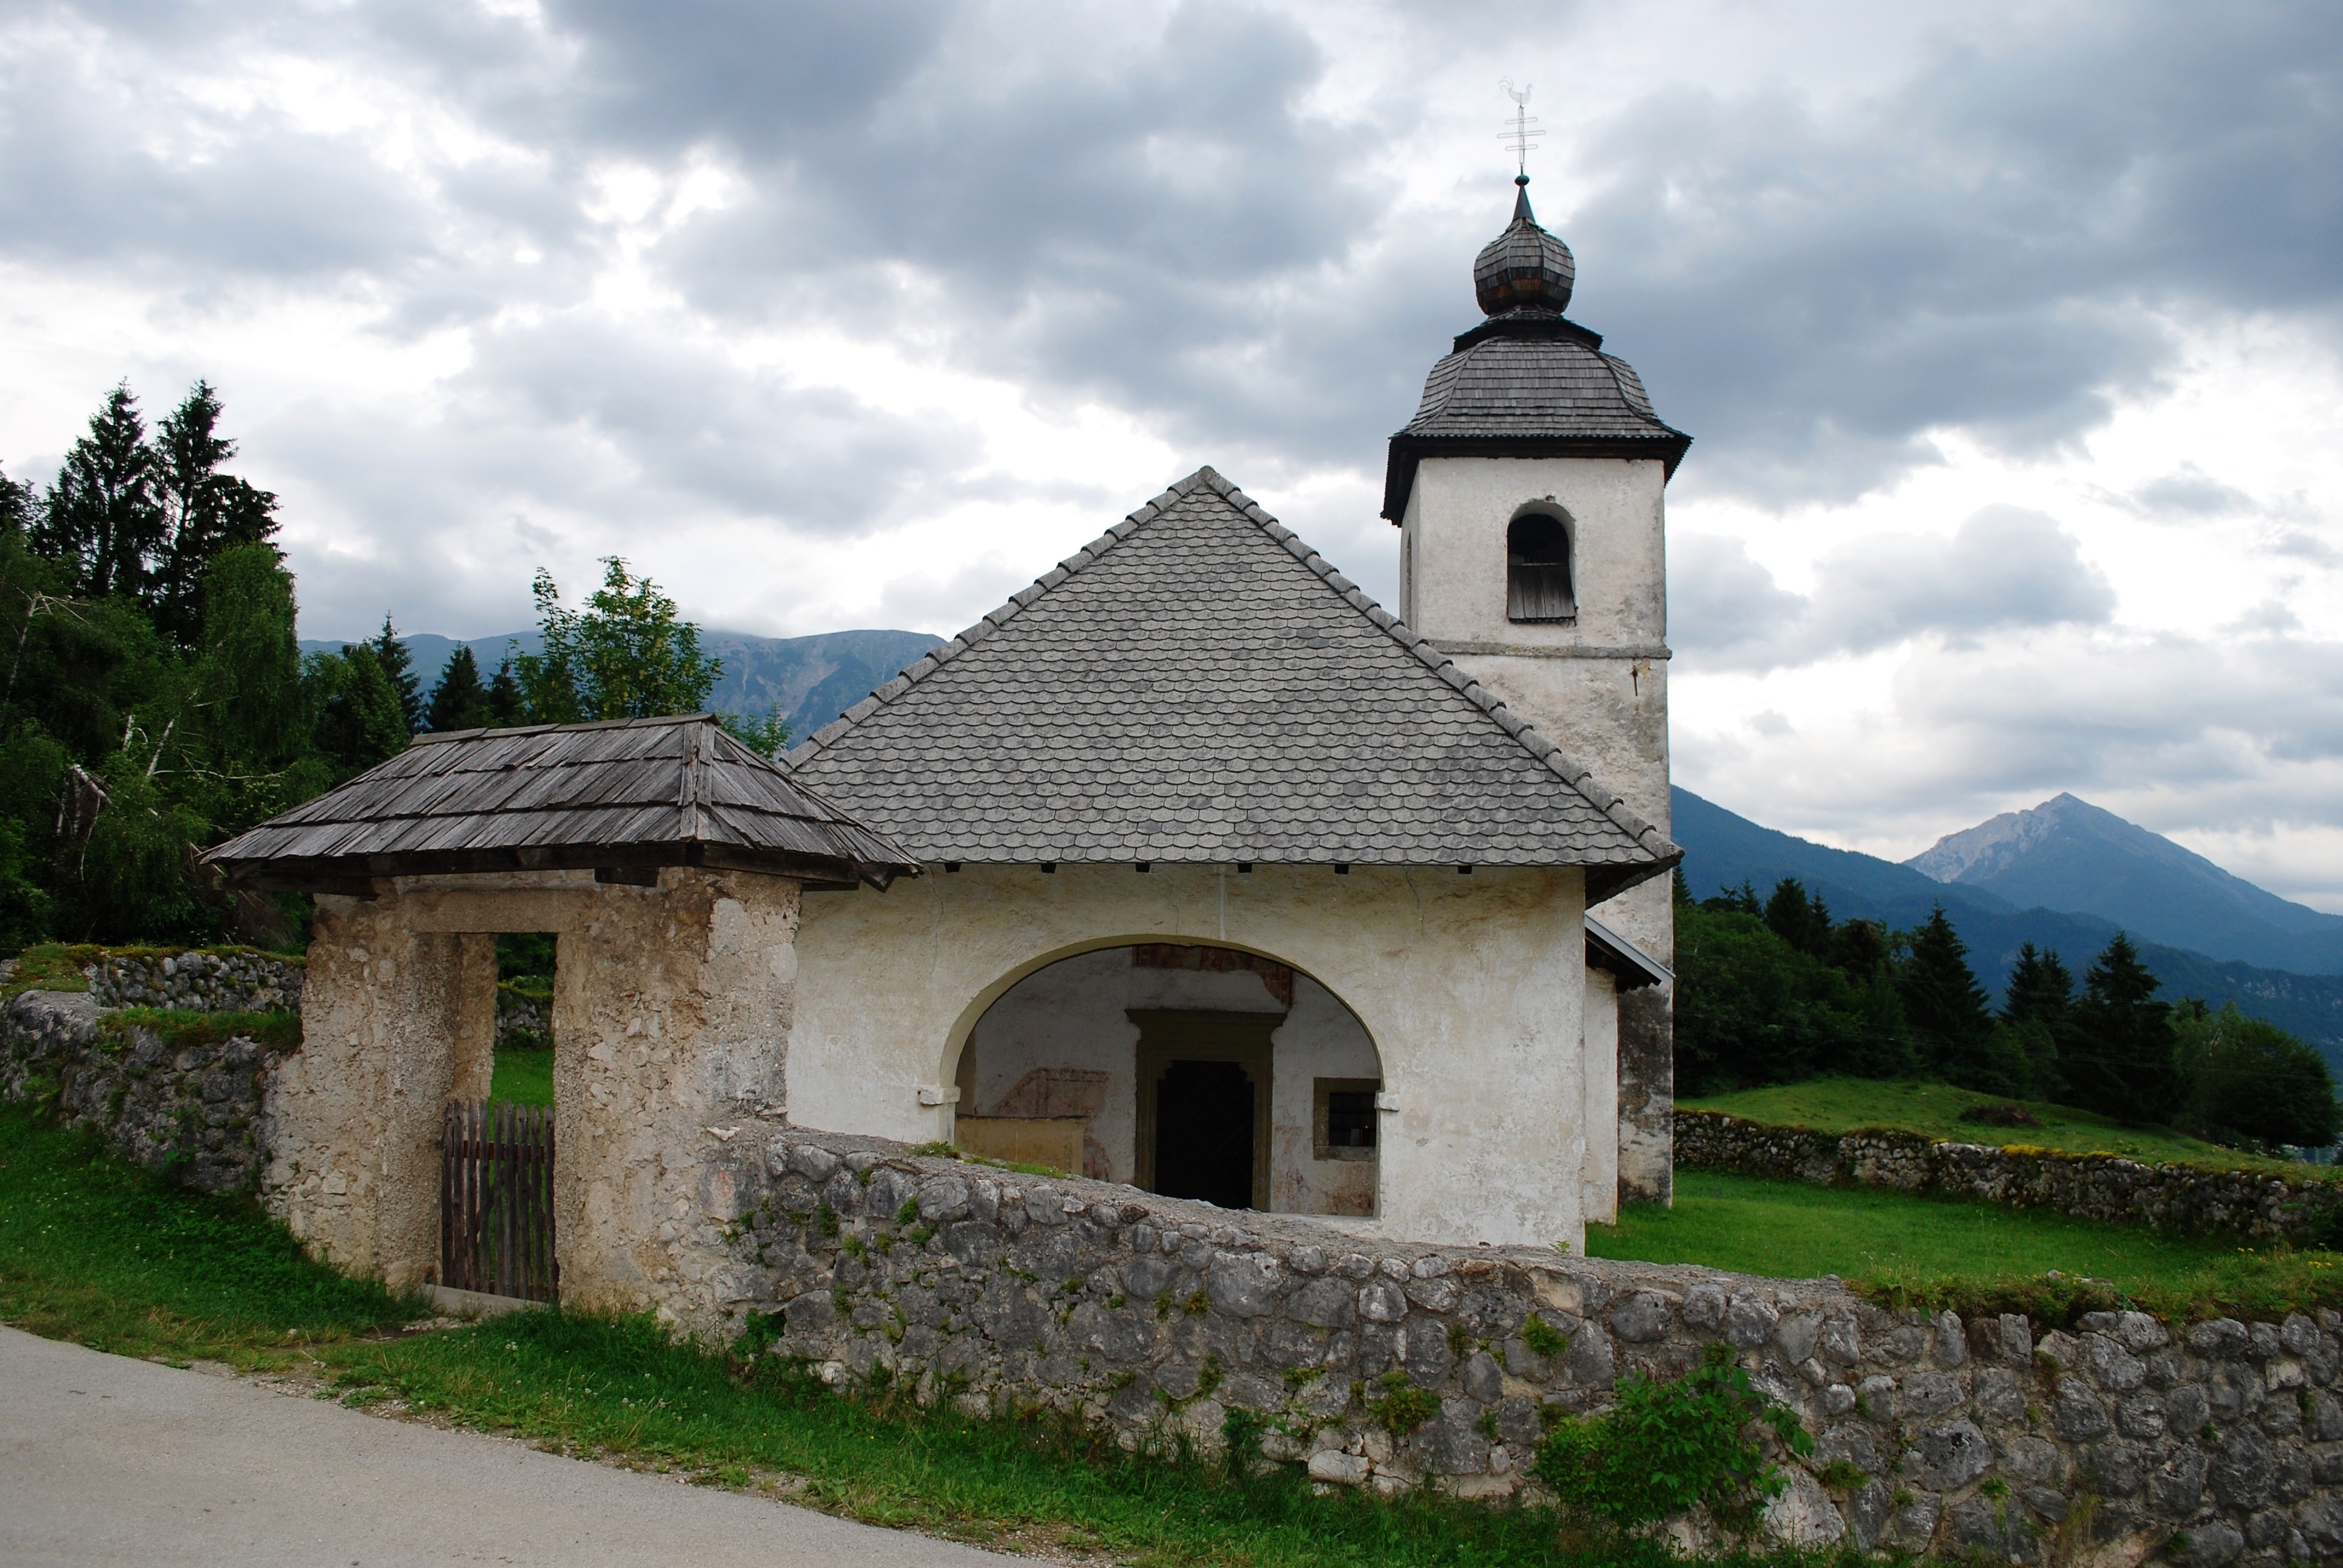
1190 866
1236 884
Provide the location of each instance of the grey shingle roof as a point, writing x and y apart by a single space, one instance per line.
634 793
1198 685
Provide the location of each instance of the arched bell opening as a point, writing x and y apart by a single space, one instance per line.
1197 1072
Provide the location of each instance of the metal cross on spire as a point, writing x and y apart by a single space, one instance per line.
1519 134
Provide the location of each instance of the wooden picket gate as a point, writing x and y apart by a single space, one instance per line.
495 1199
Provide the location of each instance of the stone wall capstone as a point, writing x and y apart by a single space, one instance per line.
198 981
1150 1316
193 1112
2104 1186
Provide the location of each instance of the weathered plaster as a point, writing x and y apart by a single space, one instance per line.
1595 686
1599 1182
671 1012
1455 528
1470 987
671 1027
355 1115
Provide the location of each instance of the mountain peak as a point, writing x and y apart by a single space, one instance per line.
2067 854
1974 854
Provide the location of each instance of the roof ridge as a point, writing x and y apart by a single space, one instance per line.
433 737
1579 778
992 620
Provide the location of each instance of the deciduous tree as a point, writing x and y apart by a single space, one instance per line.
628 654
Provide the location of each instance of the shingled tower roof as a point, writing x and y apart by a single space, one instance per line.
1199 685
1528 382
623 797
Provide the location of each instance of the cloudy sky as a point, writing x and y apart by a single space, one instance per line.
2008 333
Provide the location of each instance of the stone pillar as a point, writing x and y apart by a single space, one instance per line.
671 1016
355 1116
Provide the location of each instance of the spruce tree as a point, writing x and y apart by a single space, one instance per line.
358 721
459 701
16 513
2038 1007
398 668
507 704
1802 921
204 511
1942 999
101 513
2123 1063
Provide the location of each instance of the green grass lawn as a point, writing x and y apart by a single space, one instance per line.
1933 1110
523 1077
1894 1245
99 1252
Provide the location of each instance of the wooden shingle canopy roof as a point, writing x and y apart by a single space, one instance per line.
1199 685
624 797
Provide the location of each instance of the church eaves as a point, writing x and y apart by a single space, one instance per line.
1199 685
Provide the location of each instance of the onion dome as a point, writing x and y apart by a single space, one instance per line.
1526 381
1523 267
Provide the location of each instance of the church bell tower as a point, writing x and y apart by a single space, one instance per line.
1530 494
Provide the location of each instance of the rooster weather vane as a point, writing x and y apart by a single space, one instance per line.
1520 135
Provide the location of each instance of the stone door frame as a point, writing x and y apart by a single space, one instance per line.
1167 1035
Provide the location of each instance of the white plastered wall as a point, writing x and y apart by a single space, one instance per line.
1470 987
1599 1183
1597 686
1074 1013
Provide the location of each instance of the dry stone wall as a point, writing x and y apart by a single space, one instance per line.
192 1111
198 981
2103 1187
2114 1440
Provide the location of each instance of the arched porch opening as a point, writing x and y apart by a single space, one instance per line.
1196 1071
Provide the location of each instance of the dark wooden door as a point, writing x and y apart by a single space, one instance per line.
1204 1133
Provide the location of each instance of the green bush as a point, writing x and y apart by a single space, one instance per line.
1668 1447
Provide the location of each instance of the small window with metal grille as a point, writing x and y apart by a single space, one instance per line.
1345 1119
1537 569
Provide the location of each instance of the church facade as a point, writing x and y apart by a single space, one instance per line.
1237 885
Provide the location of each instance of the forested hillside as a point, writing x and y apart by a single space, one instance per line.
811 679
1779 989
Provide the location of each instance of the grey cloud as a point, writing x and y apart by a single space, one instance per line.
82 178
2220 733
1811 296
1724 603
2188 492
2303 546
2185 712
693 427
2004 567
